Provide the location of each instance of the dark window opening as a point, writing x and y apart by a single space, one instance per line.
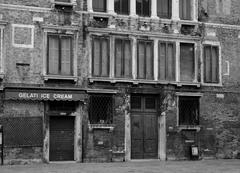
211 64
62 106
145 60
121 6
123 61
164 9
59 55
185 9
188 110
136 102
100 57
99 5
143 102
187 62
143 7
166 61
101 109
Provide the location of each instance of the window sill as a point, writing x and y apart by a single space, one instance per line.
196 128
59 77
213 84
109 127
197 84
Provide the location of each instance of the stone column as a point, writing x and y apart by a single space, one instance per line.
133 8
134 58
110 6
89 6
175 10
78 134
154 9
194 10
162 137
127 131
178 61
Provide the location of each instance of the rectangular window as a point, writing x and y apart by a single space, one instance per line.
188 110
60 55
101 109
211 64
100 56
143 7
187 62
166 61
123 61
164 9
121 6
145 60
185 9
99 5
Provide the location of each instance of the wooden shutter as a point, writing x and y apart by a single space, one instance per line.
164 8
141 60
207 64
53 54
215 66
118 57
185 9
171 62
149 60
99 5
125 6
105 57
162 61
66 55
187 62
146 8
127 59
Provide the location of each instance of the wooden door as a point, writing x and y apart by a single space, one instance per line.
61 138
144 138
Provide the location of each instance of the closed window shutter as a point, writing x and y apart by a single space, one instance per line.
146 7
66 55
171 62
96 57
125 6
185 9
118 58
187 62
207 64
105 58
127 59
99 5
149 61
162 61
141 60
215 65
53 55
164 8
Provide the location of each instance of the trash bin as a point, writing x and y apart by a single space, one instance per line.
194 152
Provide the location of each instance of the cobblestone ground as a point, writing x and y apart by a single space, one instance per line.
204 166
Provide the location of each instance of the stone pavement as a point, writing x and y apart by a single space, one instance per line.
204 166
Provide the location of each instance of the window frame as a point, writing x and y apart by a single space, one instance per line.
108 54
123 39
190 95
190 12
145 59
121 7
60 54
214 44
142 11
169 10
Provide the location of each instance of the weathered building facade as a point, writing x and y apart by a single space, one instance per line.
104 80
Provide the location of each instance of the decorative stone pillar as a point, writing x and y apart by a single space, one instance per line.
175 10
110 6
154 9
162 137
133 8
89 6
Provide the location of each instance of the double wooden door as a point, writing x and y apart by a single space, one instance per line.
144 133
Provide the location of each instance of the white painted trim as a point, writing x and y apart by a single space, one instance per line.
89 6
228 69
133 8
32 27
110 7
154 9
175 10
213 43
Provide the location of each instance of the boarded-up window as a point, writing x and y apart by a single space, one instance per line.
22 131
121 6
101 109
100 56
188 110
166 61
143 7
145 60
185 9
211 64
123 58
99 5
60 55
187 62
164 8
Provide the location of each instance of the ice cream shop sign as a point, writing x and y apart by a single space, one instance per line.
44 95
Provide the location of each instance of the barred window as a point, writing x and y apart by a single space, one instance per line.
188 110
101 109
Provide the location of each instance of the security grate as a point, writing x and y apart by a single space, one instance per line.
22 131
101 109
188 110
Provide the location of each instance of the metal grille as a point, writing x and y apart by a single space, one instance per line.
22 131
101 109
189 110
